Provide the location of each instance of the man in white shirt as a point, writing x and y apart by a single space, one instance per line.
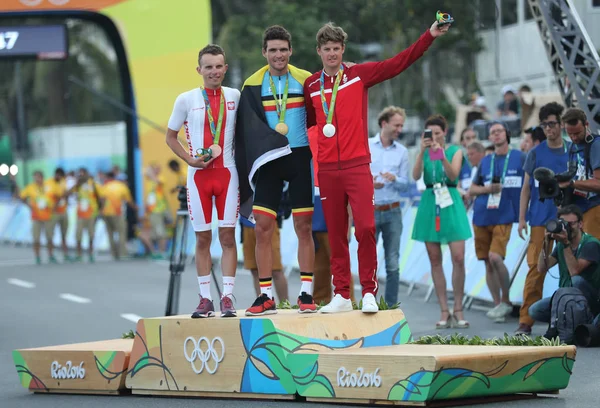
389 167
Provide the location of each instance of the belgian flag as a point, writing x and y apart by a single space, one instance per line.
256 143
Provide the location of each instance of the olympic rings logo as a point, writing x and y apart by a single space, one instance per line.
205 356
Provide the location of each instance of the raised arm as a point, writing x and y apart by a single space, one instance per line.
373 73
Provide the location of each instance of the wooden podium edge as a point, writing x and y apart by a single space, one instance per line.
440 403
219 395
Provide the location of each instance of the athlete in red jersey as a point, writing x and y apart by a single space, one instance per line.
337 102
208 115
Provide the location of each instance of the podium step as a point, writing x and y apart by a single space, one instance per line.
247 355
84 368
416 374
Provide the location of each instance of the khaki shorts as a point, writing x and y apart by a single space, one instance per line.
88 224
249 245
62 220
38 227
157 226
493 238
591 221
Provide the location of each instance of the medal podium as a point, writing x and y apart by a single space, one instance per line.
343 358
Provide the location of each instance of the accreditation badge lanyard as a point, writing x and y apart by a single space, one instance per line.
442 195
215 149
329 129
581 174
280 104
494 199
41 201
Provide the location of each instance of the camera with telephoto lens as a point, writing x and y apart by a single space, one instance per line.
549 188
557 226
182 197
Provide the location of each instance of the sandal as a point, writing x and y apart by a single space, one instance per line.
460 324
444 324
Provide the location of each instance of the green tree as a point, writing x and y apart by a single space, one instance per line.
376 29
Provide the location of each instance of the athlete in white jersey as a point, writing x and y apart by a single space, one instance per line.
208 115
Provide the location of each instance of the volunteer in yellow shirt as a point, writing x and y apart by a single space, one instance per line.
157 207
87 194
40 199
60 217
114 194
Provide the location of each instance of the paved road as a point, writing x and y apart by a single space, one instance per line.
60 304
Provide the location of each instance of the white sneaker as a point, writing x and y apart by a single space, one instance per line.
337 305
500 311
369 304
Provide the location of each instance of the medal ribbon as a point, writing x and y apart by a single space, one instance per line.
281 104
503 170
329 110
215 130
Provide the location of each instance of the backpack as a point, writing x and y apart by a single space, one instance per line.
568 309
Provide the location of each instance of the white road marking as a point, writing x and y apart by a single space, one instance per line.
131 317
16 262
21 283
74 298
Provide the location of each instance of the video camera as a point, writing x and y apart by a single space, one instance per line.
182 197
549 184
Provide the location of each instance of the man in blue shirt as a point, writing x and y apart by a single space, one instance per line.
553 153
389 167
497 188
586 184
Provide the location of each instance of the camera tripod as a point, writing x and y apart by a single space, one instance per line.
178 259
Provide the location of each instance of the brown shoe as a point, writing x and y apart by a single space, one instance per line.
523 330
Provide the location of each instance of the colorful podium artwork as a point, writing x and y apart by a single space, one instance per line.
84 368
343 358
248 355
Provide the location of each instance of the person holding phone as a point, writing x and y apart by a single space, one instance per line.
442 217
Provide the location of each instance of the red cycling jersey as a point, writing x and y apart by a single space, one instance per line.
349 146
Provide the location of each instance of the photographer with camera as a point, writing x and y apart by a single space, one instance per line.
535 203
497 188
578 257
585 186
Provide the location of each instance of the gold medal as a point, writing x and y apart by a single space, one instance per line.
281 128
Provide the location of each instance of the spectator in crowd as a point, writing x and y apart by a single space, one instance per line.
532 137
119 175
553 154
467 136
497 188
389 167
509 105
157 208
475 153
179 173
59 211
40 199
578 257
586 184
114 195
442 218
88 205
